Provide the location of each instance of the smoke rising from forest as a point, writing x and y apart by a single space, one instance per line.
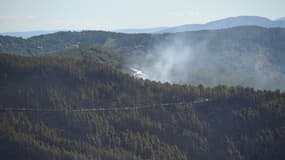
177 60
170 62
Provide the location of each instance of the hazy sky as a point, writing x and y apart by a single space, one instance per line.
25 15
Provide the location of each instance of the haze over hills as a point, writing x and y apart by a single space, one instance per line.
142 30
28 34
218 24
212 25
281 19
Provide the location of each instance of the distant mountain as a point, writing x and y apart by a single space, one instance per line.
281 19
142 30
213 25
27 34
228 23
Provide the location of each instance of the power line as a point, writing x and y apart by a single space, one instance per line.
97 109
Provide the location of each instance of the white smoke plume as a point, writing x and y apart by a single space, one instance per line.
176 60
170 62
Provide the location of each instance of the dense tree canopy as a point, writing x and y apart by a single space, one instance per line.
212 123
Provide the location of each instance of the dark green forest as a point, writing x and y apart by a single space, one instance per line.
72 107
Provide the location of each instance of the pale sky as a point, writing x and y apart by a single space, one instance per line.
27 15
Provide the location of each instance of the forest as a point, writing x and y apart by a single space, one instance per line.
70 106
247 56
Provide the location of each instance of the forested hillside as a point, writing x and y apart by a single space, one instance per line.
246 38
50 43
70 108
248 56
96 54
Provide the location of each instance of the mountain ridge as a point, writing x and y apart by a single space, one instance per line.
211 25
220 24
28 34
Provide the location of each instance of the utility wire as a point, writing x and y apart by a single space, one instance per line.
126 108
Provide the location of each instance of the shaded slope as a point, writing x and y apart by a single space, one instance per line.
236 123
